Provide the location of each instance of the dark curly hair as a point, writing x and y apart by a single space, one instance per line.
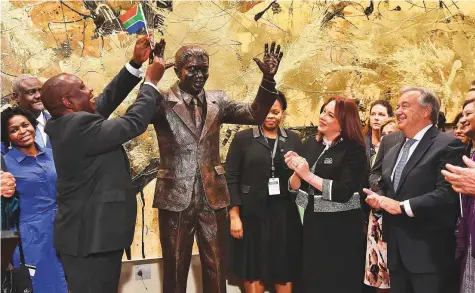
7 114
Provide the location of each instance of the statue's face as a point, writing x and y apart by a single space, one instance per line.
193 74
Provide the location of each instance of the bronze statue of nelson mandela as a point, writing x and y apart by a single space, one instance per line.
191 192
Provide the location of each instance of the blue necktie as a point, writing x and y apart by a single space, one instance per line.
402 162
39 138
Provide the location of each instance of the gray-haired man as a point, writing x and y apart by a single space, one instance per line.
420 207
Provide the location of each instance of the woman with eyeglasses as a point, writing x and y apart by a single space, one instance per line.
328 174
35 176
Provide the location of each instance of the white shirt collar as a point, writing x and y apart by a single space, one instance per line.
41 119
422 132
327 142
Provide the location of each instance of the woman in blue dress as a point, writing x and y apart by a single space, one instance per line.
35 175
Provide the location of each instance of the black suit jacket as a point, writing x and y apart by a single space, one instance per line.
247 181
96 204
387 142
426 242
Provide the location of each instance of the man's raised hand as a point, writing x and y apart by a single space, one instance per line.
141 50
156 69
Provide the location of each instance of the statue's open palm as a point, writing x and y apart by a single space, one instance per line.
272 57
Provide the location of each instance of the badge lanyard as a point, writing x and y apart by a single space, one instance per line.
314 167
274 151
274 184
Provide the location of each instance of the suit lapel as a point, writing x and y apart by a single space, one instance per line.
283 138
259 137
212 111
367 139
48 142
281 143
418 153
181 109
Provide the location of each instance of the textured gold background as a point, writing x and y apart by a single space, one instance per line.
331 47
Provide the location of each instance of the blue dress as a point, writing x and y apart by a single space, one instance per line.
36 191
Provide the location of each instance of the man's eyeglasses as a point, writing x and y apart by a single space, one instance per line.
33 91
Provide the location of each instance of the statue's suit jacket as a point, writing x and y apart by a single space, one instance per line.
185 151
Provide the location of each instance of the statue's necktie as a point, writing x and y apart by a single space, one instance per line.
402 162
196 112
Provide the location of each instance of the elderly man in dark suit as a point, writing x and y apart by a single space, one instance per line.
96 203
420 206
191 191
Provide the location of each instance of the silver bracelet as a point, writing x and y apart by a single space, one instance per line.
269 91
271 81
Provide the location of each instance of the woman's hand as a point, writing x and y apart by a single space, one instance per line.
299 165
291 159
236 227
236 224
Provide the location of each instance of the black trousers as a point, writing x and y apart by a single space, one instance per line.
177 233
96 273
403 281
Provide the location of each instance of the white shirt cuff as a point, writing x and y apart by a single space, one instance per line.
408 209
152 85
134 71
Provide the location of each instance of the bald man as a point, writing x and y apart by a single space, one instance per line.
96 203
27 94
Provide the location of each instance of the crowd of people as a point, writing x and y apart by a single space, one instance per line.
388 207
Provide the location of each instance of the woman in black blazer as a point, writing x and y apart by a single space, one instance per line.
265 227
330 171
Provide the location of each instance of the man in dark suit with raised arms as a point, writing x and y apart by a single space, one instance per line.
96 203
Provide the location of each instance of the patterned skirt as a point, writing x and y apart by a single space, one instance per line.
376 269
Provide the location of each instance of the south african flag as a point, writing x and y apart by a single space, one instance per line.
134 19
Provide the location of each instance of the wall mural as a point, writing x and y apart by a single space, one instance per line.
365 50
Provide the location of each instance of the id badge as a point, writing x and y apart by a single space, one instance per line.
31 269
274 186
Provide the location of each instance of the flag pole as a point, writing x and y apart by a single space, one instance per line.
146 27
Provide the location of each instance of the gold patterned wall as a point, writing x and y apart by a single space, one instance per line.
362 49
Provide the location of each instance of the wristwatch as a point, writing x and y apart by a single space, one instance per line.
403 210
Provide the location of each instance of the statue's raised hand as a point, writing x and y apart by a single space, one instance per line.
272 57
